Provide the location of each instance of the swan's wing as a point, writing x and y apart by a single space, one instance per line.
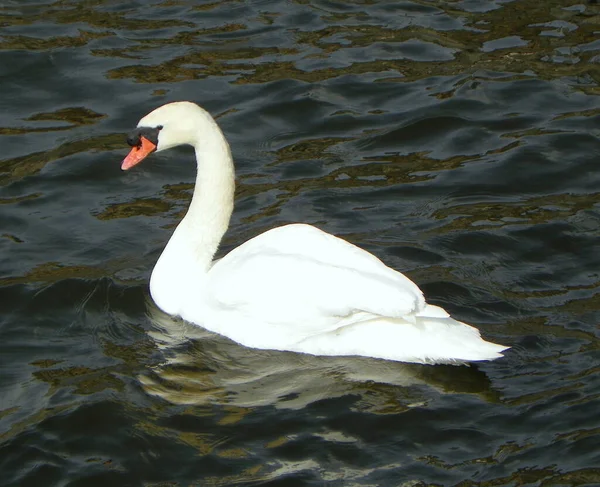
298 272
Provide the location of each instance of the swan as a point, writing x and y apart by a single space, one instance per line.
293 288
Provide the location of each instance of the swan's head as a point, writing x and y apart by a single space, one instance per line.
168 126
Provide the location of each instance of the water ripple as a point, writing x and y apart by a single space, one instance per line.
455 140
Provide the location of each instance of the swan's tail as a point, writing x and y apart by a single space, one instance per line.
431 337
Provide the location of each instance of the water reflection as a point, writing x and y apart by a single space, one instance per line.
457 141
201 367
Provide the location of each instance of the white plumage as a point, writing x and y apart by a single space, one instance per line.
292 288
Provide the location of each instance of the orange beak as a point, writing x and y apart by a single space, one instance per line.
138 154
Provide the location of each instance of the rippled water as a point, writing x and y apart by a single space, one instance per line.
458 141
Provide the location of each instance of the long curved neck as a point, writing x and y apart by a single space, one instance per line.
181 271
209 212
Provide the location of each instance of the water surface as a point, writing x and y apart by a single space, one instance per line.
457 141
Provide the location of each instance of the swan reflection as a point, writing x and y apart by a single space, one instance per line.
201 367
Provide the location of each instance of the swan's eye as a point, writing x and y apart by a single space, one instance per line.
151 133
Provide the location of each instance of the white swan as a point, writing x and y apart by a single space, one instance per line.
292 288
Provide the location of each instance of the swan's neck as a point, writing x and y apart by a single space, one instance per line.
181 270
209 212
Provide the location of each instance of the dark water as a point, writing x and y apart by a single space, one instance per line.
458 141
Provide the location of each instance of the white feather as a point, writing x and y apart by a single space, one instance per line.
295 287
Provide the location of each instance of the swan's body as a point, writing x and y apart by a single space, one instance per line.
292 288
